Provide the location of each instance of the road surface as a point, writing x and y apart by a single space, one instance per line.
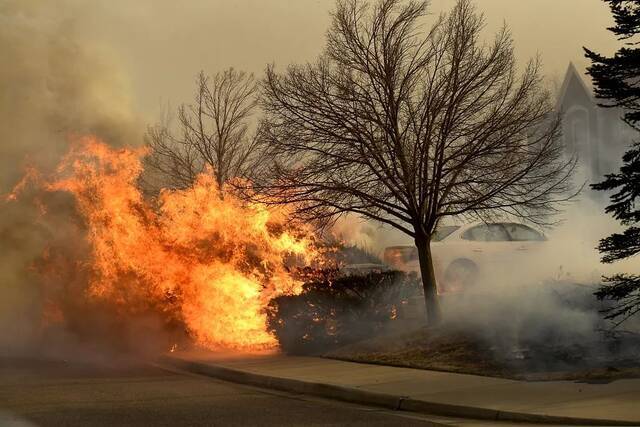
47 393
64 394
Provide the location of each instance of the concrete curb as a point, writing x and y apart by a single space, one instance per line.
400 403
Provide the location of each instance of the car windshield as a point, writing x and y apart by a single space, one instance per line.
443 232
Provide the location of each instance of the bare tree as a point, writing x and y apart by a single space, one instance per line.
213 132
407 127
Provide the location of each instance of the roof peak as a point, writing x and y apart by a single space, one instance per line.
572 73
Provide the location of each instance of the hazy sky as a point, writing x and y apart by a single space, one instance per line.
163 43
106 67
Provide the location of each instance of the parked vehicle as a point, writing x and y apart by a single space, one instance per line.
463 253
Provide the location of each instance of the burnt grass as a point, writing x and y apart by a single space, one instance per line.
424 349
459 351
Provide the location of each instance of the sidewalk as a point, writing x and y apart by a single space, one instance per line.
440 393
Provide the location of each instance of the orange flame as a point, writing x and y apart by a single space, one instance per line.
31 175
217 259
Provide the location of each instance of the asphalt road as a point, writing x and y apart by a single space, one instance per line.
64 394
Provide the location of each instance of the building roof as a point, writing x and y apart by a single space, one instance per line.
574 91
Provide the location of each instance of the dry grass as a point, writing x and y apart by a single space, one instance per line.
455 351
425 349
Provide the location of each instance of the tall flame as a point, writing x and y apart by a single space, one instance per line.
213 261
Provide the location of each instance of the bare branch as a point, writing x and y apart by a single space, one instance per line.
411 126
212 133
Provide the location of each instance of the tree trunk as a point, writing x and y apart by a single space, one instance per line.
428 280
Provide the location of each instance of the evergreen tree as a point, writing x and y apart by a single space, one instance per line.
617 83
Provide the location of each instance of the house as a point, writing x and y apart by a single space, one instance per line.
595 134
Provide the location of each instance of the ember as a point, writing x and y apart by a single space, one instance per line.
211 262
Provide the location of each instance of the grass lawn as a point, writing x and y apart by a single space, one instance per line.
456 351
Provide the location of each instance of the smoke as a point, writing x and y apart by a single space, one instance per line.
368 235
535 310
539 311
54 84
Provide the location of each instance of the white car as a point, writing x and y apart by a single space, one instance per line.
464 254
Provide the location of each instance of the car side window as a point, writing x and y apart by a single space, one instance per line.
487 233
522 233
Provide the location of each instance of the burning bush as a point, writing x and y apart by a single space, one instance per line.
332 311
192 257
352 254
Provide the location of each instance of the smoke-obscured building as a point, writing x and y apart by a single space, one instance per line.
596 134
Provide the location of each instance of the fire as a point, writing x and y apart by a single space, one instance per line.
31 175
201 254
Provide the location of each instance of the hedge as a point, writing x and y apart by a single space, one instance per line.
333 311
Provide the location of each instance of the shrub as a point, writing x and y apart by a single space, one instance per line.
333 311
